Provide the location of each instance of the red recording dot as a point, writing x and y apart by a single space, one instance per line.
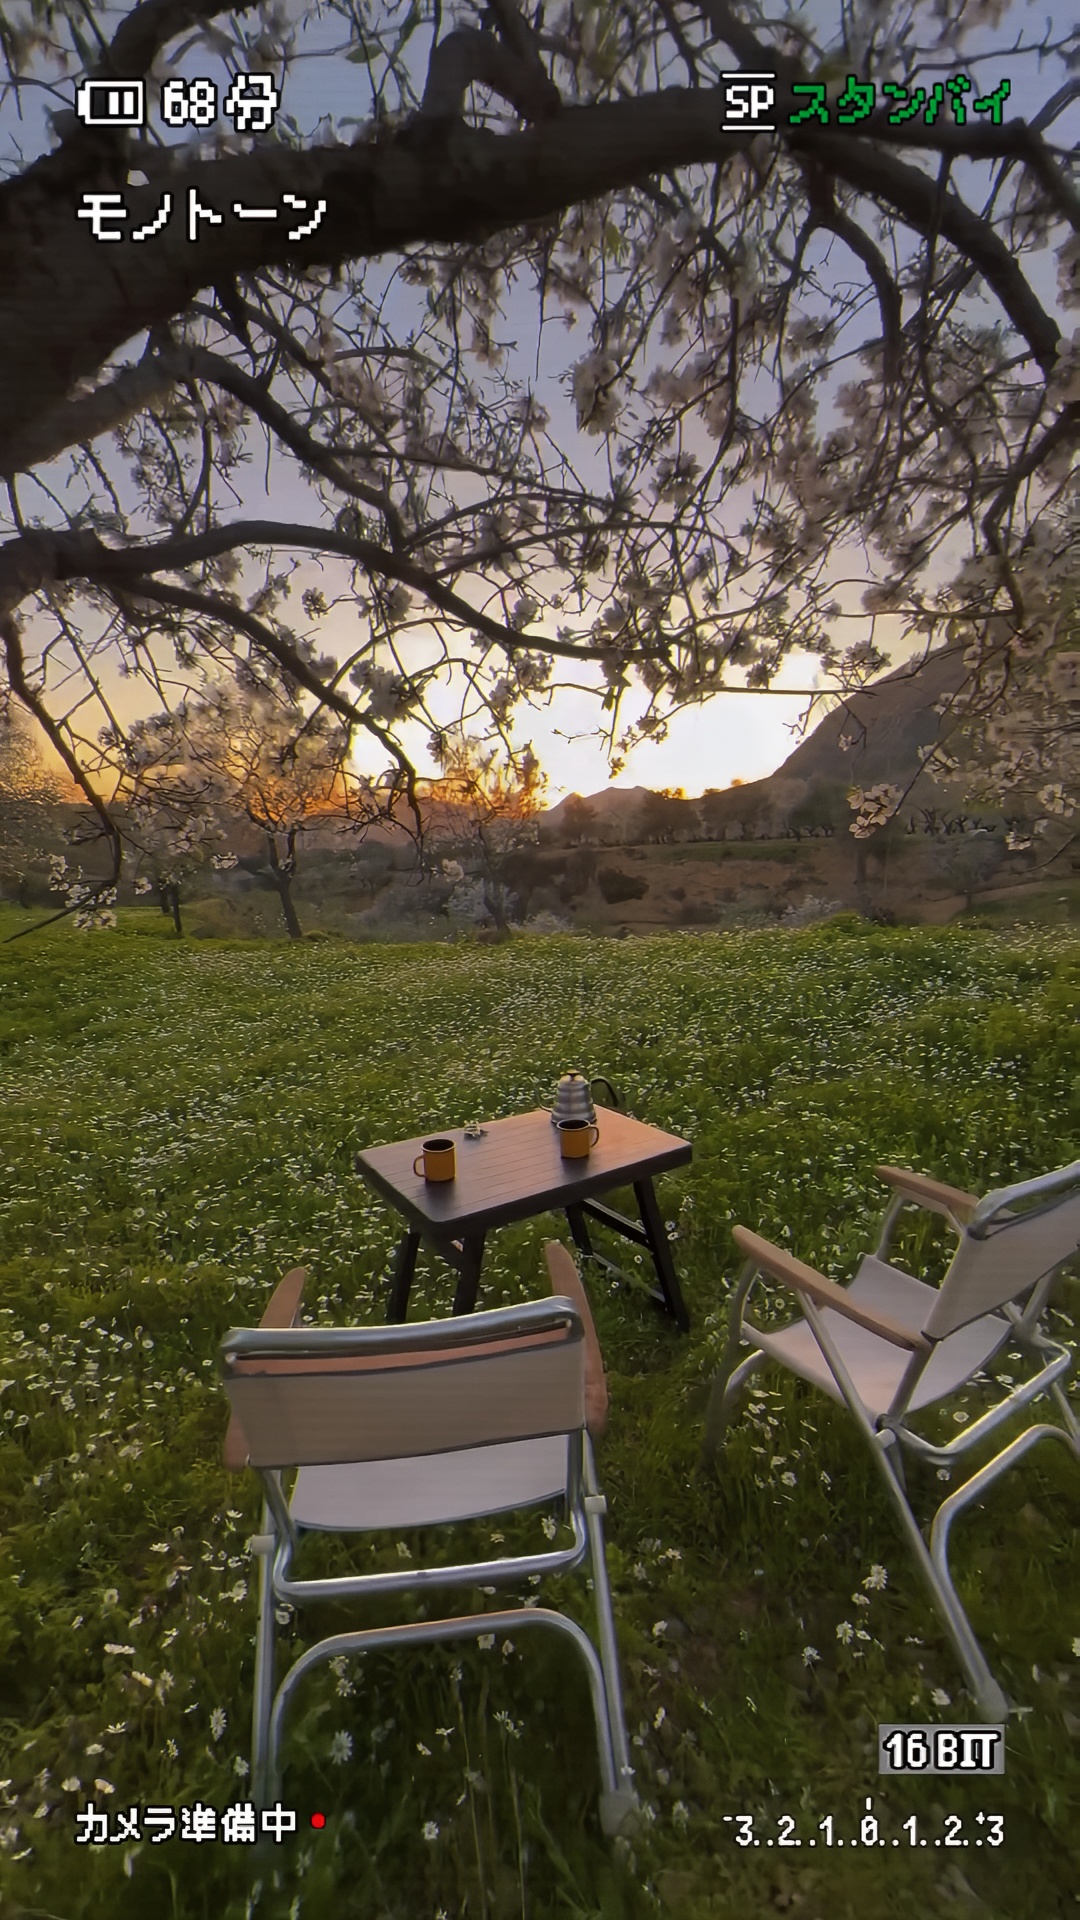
318 1819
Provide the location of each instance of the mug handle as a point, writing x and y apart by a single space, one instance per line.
595 1131
418 1164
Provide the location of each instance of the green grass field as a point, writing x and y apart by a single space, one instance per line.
178 1125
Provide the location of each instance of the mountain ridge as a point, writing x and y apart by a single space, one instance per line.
887 721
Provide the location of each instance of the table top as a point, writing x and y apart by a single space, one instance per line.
516 1170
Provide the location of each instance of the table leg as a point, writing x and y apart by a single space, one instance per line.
402 1276
660 1248
578 1227
472 1256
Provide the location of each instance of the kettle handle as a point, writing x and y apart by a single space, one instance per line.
601 1080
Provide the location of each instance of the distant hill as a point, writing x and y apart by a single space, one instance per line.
887 723
615 809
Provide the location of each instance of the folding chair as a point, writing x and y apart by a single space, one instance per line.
889 1346
425 1425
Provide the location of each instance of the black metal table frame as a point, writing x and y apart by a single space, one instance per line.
466 1254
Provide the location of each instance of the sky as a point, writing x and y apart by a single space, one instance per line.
736 736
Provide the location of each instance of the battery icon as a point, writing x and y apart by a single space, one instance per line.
111 103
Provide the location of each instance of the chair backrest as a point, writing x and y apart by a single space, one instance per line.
1014 1238
307 1396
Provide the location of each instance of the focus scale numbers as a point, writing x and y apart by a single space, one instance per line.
869 1833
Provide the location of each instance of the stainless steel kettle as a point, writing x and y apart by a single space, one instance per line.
573 1099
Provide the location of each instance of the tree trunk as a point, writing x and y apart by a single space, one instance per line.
172 894
288 909
494 901
281 873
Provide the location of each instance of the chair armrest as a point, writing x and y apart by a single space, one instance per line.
933 1194
282 1310
822 1291
566 1280
283 1306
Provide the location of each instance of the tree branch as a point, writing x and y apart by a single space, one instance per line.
912 193
16 671
140 384
140 37
267 642
917 198
68 302
70 556
1066 427
512 69
185 363
822 202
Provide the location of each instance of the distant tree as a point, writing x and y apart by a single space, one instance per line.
172 845
970 862
577 821
524 870
576 875
246 749
713 813
824 809
877 828
483 807
29 796
750 811
664 815
371 868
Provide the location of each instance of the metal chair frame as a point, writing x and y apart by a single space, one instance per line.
280 1536
890 1433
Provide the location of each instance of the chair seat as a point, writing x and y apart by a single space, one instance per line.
875 1366
431 1489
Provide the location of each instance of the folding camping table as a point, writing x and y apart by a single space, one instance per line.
514 1171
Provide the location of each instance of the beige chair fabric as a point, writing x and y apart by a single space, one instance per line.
1013 1256
875 1366
422 1426
302 1412
566 1281
890 1346
433 1491
283 1310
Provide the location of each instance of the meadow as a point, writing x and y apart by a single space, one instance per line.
178 1125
